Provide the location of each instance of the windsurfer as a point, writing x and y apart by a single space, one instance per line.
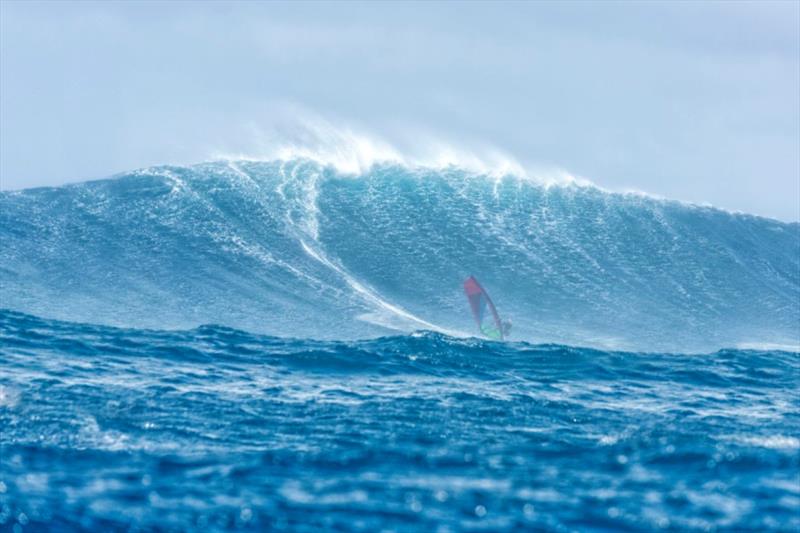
484 312
506 327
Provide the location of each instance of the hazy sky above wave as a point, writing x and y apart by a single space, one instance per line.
692 101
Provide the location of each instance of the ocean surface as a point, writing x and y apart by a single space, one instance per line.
280 346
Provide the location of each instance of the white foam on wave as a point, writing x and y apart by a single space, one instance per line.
393 311
768 347
8 397
773 442
304 194
351 151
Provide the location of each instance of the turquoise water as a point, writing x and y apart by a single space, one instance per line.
276 346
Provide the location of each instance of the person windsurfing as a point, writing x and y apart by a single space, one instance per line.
484 311
506 323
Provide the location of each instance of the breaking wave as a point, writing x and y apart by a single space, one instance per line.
298 248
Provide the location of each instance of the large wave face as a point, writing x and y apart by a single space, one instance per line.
294 248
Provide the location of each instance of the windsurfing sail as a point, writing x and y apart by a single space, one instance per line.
483 309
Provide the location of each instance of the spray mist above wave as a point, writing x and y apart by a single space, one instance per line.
298 134
300 248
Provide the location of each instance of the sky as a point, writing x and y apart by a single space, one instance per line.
696 101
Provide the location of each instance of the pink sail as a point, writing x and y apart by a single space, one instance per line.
479 301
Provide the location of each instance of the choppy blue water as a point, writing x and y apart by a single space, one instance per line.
119 411
214 428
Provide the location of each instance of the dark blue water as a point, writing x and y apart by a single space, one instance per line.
215 428
339 388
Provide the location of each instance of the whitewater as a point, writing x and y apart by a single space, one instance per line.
285 345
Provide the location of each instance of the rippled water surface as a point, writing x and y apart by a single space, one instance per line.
217 429
625 401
